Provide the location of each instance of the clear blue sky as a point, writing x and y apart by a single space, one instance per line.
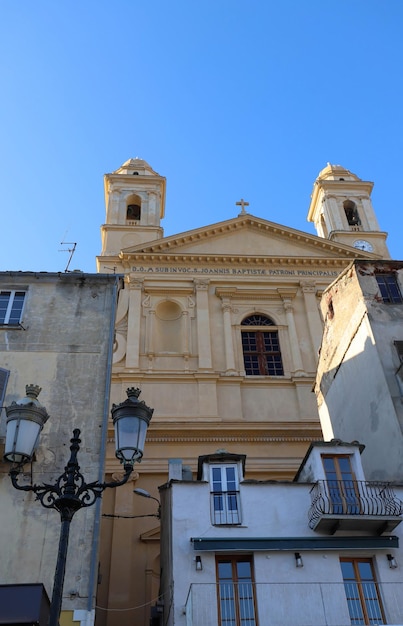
227 99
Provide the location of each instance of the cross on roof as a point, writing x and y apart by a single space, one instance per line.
242 204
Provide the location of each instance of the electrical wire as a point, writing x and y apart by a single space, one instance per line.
130 516
132 608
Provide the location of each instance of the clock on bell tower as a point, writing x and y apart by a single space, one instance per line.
342 211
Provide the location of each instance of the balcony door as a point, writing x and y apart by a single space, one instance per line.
362 593
225 494
341 485
236 598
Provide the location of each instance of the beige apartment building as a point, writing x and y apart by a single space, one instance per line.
220 328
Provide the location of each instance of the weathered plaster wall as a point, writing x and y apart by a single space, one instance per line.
64 347
358 394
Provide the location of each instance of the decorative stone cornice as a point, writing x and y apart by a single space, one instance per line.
344 251
208 439
230 439
221 432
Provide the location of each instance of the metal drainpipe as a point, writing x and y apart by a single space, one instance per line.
93 577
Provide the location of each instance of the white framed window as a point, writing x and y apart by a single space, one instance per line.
11 306
225 505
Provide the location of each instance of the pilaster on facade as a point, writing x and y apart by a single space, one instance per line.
150 334
369 212
154 198
186 335
112 208
227 308
135 286
287 296
311 301
331 212
203 324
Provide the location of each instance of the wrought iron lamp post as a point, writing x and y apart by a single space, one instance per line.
70 492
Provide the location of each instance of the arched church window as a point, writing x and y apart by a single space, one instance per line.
351 212
133 208
261 347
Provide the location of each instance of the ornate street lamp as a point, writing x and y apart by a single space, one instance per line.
70 492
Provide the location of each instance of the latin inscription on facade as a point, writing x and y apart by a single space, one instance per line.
232 271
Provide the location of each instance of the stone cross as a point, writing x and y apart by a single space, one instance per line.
242 204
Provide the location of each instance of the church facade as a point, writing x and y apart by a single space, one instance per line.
220 327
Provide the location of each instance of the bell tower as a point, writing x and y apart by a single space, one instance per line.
135 204
342 211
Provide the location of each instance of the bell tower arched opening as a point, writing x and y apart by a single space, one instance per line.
133 208
351 211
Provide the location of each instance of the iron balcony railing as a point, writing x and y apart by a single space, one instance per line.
353 498
292 604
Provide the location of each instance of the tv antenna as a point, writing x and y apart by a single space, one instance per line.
70 250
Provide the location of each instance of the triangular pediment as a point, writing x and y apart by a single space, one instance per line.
247 235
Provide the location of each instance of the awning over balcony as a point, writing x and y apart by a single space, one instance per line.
294 544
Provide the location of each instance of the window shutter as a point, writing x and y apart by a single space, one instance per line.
399 349
3 384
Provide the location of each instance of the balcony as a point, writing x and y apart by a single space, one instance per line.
296 604
354 505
